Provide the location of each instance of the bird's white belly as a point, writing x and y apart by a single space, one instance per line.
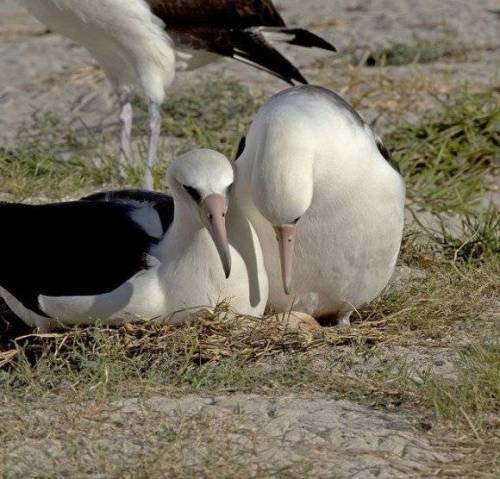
140 298
340 262
201 284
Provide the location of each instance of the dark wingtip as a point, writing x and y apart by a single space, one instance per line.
305 38
298 77
387 155
278 65
241 147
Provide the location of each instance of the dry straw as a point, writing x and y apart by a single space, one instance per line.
210 337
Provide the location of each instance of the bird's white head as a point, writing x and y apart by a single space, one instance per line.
200 182
283 183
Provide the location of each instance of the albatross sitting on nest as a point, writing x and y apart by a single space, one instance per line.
129 258
314 175
136 43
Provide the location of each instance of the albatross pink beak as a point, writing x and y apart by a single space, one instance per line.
285 234
213 216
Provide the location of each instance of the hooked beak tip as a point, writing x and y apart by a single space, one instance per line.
223 250
226 264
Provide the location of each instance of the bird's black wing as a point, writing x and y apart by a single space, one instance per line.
236 14
69 249
236 28
162 203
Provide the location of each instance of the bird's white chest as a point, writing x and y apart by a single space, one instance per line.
345 251
195 278
141 297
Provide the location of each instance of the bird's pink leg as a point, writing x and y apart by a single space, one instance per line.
126 117
154 139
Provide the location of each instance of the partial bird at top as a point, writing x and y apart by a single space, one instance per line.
140 43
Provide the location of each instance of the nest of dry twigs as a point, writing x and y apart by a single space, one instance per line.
210 337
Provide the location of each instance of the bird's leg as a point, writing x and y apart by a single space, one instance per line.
126 116
154 138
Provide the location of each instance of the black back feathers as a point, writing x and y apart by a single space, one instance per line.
68 249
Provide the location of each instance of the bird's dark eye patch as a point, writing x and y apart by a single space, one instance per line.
296 220
228 189
193 192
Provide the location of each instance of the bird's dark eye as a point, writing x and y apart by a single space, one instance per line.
228 189
193 192
296 220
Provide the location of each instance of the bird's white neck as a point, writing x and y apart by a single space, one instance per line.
184 228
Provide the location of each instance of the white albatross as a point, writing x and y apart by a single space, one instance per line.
130 255
313 175
138 43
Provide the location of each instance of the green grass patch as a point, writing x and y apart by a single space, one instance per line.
473 399
35 171
212 117
477 240
423 51
444 158
59 162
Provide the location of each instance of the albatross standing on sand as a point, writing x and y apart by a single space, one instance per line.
314 175
136 43
129 258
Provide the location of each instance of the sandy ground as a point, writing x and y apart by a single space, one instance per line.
268 437
44 73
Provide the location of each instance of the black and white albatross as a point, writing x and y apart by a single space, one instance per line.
133 257
139 44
